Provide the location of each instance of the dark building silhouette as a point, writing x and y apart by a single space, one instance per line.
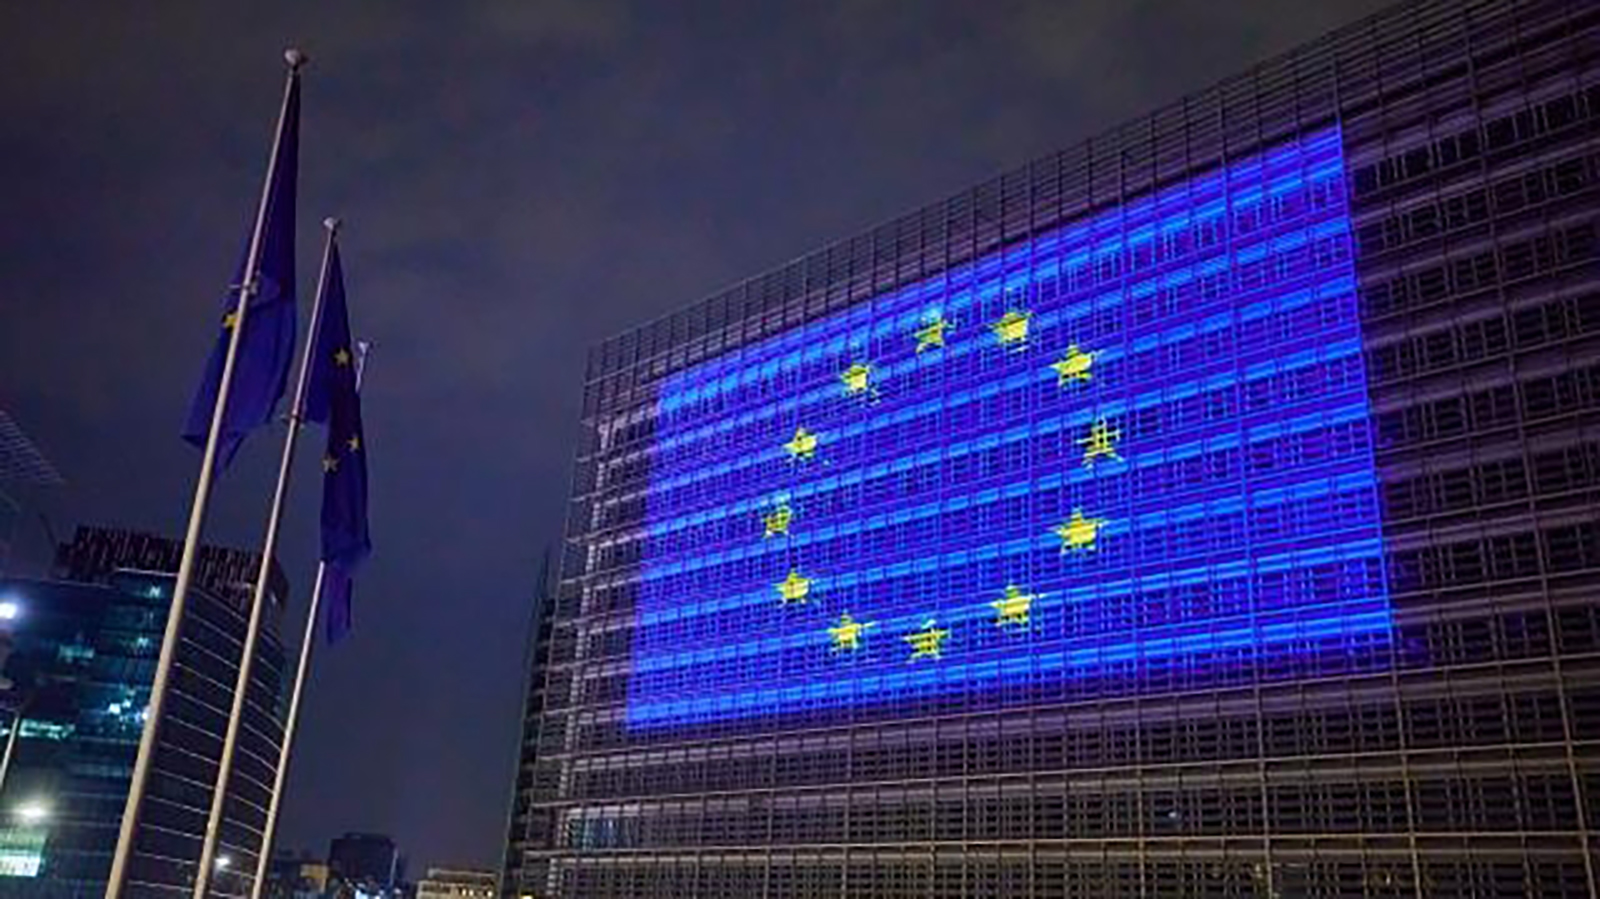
364 863
85 648
22 467
1209 509
296 875
530 826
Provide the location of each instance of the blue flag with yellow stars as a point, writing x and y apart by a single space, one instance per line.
333 399
266 347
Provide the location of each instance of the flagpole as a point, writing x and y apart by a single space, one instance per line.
302 665
140 778
269 549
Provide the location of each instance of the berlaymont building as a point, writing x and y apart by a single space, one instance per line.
1210 509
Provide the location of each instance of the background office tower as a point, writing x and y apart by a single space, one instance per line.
293 875
530 825
365 864
85 642
22 469
457 883
1205 510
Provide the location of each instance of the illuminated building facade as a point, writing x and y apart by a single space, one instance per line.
1206 510
85 652
457 883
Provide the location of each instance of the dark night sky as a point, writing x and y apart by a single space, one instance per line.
519 179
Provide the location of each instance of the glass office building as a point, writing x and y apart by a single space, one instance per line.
85 648
1209 509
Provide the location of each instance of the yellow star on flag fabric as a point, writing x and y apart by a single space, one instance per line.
777 521
341 357
794 588
926 643
1079 532
803 446
329 463
1102 441
1013 607
847 633
1012 328
855 378
229 320
1074 366
931 334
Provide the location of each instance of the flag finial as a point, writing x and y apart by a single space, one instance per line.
332 223
296 58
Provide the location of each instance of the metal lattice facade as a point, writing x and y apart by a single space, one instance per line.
1207 510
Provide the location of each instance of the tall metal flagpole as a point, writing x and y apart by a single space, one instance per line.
269 549
197 515
302 665
11 744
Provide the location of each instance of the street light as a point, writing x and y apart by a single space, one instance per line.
10 609
223 861
33 812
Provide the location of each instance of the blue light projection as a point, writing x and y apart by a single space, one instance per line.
1126 454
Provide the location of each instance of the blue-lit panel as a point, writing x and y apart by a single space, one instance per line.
1129 450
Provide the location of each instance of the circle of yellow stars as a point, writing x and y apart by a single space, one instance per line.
1014 607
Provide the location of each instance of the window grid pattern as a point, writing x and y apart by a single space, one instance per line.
1467 763
1138 441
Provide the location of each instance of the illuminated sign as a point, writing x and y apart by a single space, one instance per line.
1132 451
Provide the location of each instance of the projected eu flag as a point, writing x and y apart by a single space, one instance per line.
1133 449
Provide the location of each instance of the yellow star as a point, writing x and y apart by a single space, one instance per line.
1012 328
931 334
855 378
229 320
926 643
1102 441
794 588
777 522
1079 532
354 443
1074 366
803 446
329 464
847 634
341 357
1013 607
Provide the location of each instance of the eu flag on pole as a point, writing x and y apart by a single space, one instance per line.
266 348
333 399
